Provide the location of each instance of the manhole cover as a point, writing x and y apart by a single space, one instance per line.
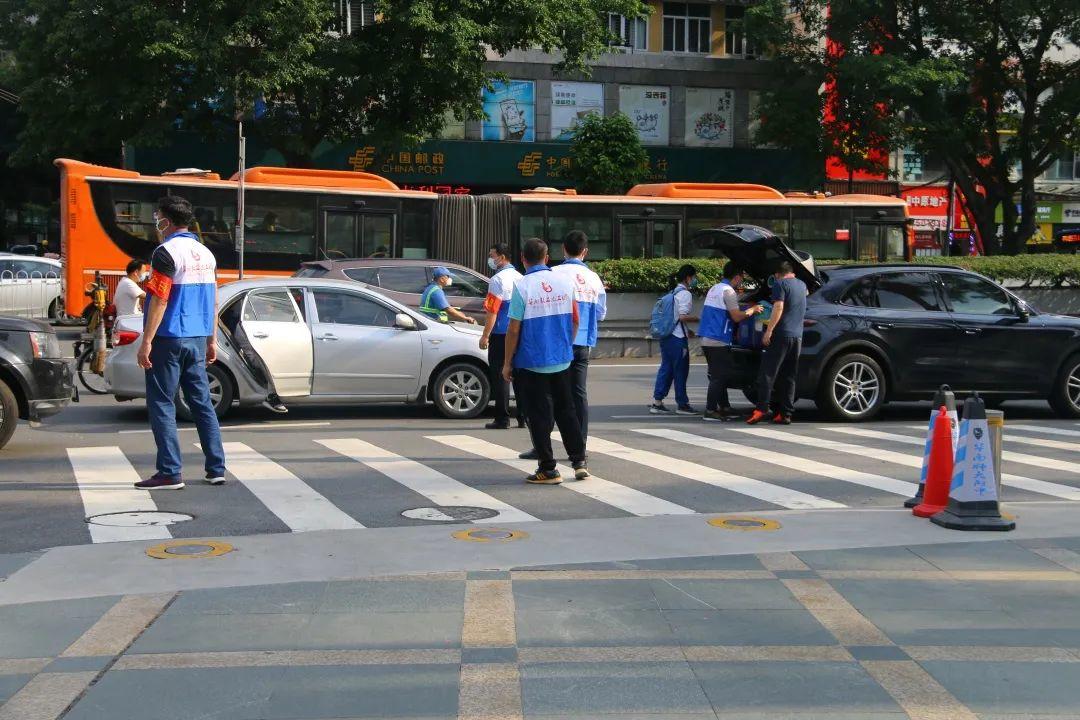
188 549
489 535
451 513
744 523
139 518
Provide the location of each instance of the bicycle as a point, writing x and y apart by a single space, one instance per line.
92 347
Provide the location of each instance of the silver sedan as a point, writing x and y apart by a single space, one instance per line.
325 342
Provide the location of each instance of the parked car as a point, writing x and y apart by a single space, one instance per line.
30 287
405 280
35 381
326 342
875 333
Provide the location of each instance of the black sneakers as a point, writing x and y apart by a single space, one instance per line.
157 481
498 425
529 454
544 477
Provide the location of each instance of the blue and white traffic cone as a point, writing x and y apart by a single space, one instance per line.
943 396
973 498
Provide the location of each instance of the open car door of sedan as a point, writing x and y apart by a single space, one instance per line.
276 330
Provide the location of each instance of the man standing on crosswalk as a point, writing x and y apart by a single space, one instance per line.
539 350
497 307
179 340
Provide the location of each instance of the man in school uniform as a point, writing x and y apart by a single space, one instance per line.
539 350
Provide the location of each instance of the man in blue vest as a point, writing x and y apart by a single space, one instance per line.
718 320
433 302
179 340
539 350
497 307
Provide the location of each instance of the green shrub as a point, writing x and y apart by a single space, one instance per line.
651 276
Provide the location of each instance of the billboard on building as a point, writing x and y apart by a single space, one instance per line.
710 117
510 108
649 108
571 101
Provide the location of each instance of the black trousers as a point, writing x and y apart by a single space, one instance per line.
549 402
779 368
719 359
579 376
500 389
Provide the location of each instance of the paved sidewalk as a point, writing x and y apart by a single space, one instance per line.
948 631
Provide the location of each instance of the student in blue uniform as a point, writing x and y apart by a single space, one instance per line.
433 302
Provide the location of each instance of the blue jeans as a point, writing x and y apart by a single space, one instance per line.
181 363
674 365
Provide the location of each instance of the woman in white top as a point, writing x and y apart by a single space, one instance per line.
675 348
129 296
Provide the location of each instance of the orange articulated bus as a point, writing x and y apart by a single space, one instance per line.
296 215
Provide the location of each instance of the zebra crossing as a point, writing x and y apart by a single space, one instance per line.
370 479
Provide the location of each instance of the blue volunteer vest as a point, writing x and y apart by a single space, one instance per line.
716 323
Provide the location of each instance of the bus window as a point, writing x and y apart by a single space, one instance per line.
416 230
665 238
813 230
774 219
126 212
530 222
705 217
280 223
594 221
215 219
895 244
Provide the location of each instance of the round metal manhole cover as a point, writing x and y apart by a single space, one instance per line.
139 518
188 549
744 523
490 535
451 513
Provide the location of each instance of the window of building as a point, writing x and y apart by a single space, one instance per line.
1067 167
687 27
735 40
629 33
352 15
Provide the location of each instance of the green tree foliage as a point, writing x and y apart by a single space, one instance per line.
94 74
606 153
991 87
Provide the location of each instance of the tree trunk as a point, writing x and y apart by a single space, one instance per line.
980 207
1028 210
1010 237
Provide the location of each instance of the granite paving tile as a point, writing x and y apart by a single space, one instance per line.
914 595
298 598
386 631
611 689
583 595
1017 688
881 558
562 629
47 628
205 633
723 595
10 684
983 556
393 596
747 627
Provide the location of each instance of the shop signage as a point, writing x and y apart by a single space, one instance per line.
710 117
649 108
510 108
570 102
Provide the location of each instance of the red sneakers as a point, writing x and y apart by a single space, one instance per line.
781 419
756 417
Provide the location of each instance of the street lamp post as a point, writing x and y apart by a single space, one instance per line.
240 201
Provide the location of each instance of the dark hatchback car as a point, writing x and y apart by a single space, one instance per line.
404 280
875 333
35 381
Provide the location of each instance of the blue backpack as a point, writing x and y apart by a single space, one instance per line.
662 323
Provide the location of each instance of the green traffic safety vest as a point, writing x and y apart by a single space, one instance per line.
433 312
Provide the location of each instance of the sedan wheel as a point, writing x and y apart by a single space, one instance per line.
461 391
221 394
852 389
1066 396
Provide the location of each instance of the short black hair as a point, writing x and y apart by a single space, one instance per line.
176 209
134 265
502 249
534 251
685 271
785 267
575 243
731 269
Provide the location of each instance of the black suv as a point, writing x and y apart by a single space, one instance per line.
35 382
875 333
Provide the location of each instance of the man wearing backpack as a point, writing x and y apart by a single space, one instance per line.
668 325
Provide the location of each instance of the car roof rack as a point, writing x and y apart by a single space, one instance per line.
865 266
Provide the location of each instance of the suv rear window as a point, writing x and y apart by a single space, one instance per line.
366 275
310 272
403 278
906 291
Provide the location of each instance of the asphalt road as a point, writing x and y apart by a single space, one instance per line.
363 466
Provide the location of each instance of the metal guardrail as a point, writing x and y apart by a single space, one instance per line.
29 295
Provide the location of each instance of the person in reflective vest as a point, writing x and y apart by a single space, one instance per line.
433 302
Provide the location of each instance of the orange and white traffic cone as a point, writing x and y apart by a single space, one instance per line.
940 470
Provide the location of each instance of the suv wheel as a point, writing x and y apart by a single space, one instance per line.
461 391
1065 398
852 389
221 394
9 413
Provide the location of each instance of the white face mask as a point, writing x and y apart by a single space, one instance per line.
493 263
449 282
144 277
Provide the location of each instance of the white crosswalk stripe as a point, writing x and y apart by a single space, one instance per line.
625 498
106 478
792 499
295 502
439 488
1011 436
1044 429
1011 456
793 462
1064 492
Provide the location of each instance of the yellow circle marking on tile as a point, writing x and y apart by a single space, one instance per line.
490 535
744 523
189 549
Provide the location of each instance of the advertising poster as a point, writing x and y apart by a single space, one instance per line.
511 111
649 108
571 101
710 117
